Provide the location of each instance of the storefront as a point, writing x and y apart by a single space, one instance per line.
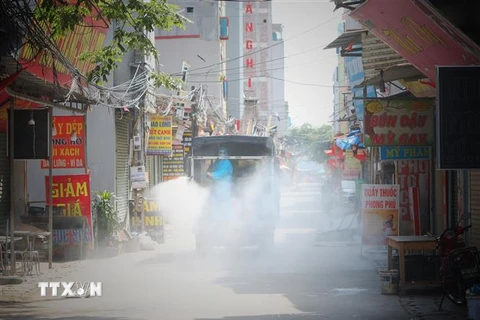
423 35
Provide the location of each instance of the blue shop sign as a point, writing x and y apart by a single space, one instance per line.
404 153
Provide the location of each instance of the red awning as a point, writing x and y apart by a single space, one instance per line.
19 104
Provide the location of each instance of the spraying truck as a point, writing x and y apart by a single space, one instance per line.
248 208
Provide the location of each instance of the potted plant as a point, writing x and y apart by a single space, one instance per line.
105 219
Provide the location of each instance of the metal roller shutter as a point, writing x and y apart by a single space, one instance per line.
122 183
475 207
4 181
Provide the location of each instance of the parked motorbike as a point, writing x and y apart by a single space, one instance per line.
459 264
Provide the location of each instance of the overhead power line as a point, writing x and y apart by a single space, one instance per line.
259 50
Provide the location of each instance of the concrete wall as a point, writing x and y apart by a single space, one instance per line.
278 104
198 45
204 17
19 192
100 157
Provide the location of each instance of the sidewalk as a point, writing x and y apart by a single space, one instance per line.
22 292
25 291
422 304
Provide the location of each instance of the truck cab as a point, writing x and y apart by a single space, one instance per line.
254 199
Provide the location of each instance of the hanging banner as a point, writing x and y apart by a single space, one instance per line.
399 122
160 137
173 167
71 194
404 153
380 213
68 138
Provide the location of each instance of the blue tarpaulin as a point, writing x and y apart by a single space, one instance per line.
353 138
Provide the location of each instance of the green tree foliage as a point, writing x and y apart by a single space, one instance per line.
309 141
128 19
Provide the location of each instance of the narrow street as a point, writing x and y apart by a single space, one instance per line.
302 279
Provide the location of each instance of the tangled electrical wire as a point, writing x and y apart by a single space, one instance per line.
19 15
29 31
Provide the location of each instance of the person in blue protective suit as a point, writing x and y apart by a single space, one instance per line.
221 192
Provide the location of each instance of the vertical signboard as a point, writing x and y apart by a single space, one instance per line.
71 193
413 174
153 219
68 138
173 166
160 136
187 143
458 129
380 212
414 207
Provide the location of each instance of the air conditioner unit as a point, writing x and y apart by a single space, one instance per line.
137 57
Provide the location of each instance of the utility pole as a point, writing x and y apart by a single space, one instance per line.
249 115
193 114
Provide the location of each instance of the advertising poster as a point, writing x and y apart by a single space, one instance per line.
380 213
72 194
173 167
399 122
68 138
160 136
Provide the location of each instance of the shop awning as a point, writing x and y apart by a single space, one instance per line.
419 33
346 38
398 72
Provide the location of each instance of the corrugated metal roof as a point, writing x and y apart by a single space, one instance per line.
397 72
354 37
376 55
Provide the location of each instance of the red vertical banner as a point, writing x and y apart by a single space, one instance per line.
68 138
72 194
414 204
411 174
